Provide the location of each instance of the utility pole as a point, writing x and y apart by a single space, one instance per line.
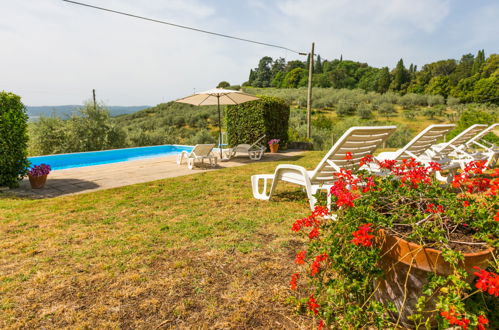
309 94
95 103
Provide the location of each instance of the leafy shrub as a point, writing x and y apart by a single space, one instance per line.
322 122
432 112
48 135
409 114
400 137
322 139
203 136
223 84
13 140
179 121
452 101
475 115
411 100
345 108
386 109
435 100
248 121
88 130
364 111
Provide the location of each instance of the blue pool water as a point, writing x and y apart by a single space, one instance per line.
81 159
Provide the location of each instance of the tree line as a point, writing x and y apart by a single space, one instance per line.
93 128
470 79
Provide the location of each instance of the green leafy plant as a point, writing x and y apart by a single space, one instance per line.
349 263
13 140
248 121
39 170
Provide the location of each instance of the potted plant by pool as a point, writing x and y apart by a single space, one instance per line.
403 250
38 175
274 145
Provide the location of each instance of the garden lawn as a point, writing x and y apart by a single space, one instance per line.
192 251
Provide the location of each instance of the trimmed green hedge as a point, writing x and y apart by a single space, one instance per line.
248 121
13 140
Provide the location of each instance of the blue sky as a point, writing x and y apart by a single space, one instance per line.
54 53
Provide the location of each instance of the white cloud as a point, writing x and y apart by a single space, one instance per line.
379 32
55 53
422 14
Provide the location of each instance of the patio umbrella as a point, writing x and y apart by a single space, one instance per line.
219 97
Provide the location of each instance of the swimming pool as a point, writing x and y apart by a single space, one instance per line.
82 159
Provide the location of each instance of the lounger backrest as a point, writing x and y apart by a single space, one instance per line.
423 141
257 141
359 142
480 135
202 149
461 139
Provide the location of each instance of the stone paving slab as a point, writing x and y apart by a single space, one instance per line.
98 177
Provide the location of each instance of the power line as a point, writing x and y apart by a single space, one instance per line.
183 26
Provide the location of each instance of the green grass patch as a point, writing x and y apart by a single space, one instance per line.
78 260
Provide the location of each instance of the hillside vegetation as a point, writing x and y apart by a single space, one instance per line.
335 110
65 111
470 79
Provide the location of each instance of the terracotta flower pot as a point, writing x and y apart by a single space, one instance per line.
273 147
407 266
37 182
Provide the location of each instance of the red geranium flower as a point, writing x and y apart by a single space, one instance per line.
300 257
362 236
313 305
316 265
348 156
482 320
292 283
487 281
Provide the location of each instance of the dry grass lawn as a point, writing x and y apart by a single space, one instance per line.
189 252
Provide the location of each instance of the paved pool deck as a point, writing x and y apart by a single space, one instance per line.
98 177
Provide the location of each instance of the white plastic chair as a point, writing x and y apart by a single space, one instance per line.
456 148
198 154
419 145
487 148
417 149
255 151
358 141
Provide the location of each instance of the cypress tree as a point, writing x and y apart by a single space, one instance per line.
318 65
479 61
383 80
400 76
251 77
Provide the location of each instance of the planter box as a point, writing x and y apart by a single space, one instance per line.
37 182
407 266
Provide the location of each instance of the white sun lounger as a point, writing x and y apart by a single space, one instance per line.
198 154
255 151
359 141
456 148
487 148
417 149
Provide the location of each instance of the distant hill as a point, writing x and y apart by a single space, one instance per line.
64 111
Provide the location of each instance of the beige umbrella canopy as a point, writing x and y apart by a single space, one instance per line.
218 96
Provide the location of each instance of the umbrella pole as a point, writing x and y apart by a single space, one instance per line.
219 128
